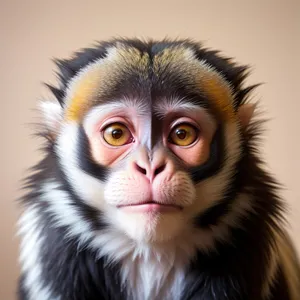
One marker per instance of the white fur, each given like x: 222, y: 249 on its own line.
x: 157, y: 270
x: 100, y: 111
x: 153, y: 271
x: 86, y: 186
x: 31, y: 241
x: 52, y: 115
x: 167, y: 105
x: 65, y: 213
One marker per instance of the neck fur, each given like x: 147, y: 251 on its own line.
x: 149, y: 270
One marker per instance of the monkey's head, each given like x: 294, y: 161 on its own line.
x: 148, y: 136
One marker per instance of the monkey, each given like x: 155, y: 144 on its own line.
x: 152, y: 185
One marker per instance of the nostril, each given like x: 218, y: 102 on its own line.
x: 159, y: 170
x: 140, y: 169
x: 152, y: 173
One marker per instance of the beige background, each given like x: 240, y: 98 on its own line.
x: 265, y: 34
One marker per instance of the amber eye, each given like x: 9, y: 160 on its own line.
x: 183, y: 135
x: 117, y: 134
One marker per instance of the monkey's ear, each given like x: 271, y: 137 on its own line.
x: 245, y: 113
x: 52, y: 113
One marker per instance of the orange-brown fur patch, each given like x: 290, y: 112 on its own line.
x: 219, y: 94
x: 202, y: 77
x: 102, y: 75
x: 84, y: 91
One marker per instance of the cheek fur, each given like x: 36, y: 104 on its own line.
x: 179, y: 189
x: 86, y: 186
x: 195, y: 155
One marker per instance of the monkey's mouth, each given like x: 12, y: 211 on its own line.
x: 150, y: 207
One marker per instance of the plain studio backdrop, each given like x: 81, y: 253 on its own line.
x: 264, y: 34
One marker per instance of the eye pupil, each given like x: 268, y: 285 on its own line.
x: 181, y: 134
x: 117, y: 133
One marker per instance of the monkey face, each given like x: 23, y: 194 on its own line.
x: 148, y: 190
x: 148, y: 138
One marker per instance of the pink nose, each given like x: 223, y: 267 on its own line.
x: 150, y: 171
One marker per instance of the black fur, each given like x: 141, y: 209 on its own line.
x: 227, y: 272
x: 76, y: 273
x: 49, y: 169
x: 215, y: 160
x: 87, y: 164
x: 234, y: 271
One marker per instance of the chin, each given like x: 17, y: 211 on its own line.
x: 150, y: 226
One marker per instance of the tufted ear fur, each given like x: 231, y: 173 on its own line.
x: 52, y: 113
x: 246, y: 113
